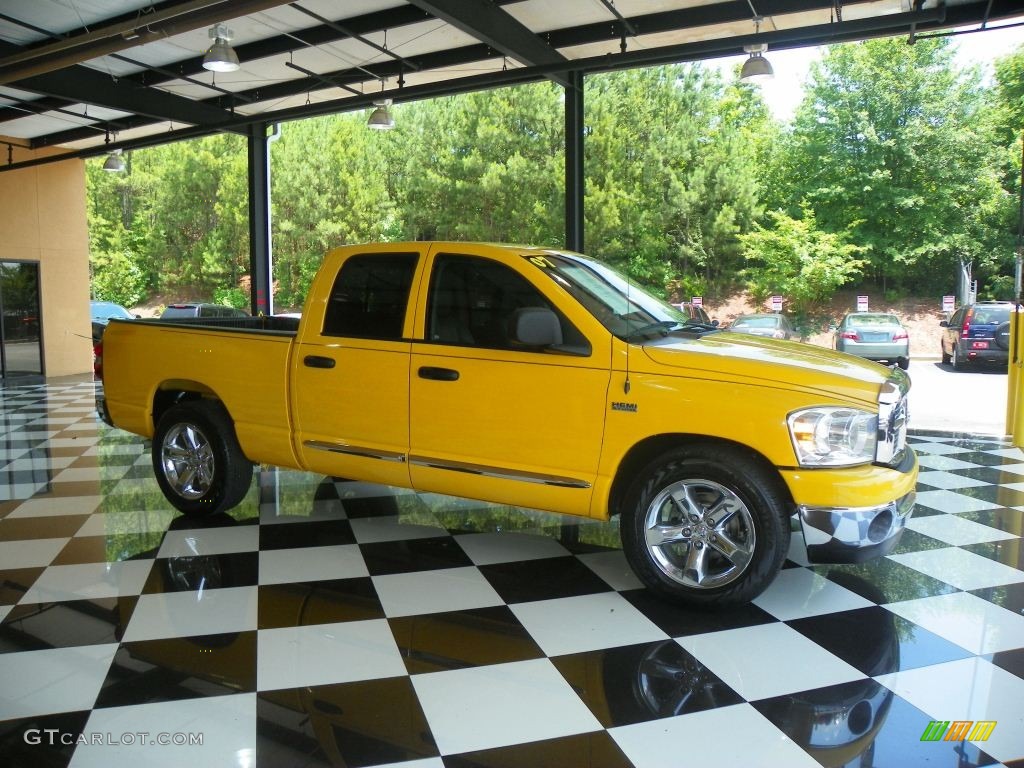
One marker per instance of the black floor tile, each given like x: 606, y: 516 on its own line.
x: 50, y: 527
x: 43, y: 741
x: 884, y: 580
x: 298, y: 604
x: 544, y: 579
x: 410, y: 555
x: 64, y: 624
x: 176, y: 668
x: 14, y: 583
x: 200, y: 572
x: 315, y: 533
x: 346, y: 724
x: 876, y: 641
x: 436, y: 642
x: 679, y: 621
x: 586, y: 750
x: 637, y: 683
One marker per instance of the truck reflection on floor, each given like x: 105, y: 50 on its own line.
x: 381, y: 720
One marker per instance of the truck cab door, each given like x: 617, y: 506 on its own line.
x: 350, y: 368
x: 492, y: 418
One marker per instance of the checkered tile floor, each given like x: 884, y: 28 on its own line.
x: 330, y: 623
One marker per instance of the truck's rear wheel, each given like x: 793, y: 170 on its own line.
x: 197, y: 460
x: 705, y: 525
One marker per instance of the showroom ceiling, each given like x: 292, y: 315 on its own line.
x: 78, y: 73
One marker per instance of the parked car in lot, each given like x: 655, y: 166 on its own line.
x: 977, y: 334
x: 695, y: 312
x: 201, y: 310
x: 100, y: 313
x: 769, y: 325
x: 877, y: 336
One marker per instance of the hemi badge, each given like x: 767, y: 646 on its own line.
x: 628, y: 407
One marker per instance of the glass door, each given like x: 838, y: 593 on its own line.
x: 21, y: 351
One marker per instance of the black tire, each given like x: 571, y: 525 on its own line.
x: 958, y: 363
x: 197, y: 460
x: 945, y: 357
x: 903, y: 362
x: 1002, y: 336
x: 692, y: 568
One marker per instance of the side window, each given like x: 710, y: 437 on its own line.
x: 473, y: 302
x: 370, y: 296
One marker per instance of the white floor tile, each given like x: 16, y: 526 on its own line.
x: 956, y: 530
x: 799, y: 592
x: 370, y: 530
x: 968, y: 689
x: 945, y: 463
x: 52, y: 680
x: 768, y: 660
x: 613, y: 568
x: 951, y: 501
x: 183, y: 614
x: 227, y: 725
x: 448, y: 589
x: 29, y: 554
x: 967, y: 620
x: 490, y: 548
x: 188, y: 542
x: 585, y: 623
x: 88, y: 580
x: 500, y: 704
x: 948, y: 481
x: 292, y: 657
x: 717, y: 738
x: 71, y: 505
x: 939, y: 448
x: 283, y: 566
x: 962, y: 569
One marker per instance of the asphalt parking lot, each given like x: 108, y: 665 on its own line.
x: 946, y: 400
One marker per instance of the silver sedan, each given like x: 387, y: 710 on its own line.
x: 876, y: 336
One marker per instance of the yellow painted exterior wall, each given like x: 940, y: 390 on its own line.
x: 42, y: 219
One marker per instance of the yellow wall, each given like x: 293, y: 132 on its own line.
x: 42, y: 218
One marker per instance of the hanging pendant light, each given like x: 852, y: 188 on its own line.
x: 114, y: 162
x: 380, y: 118
x: 220, y: 57
x: 757, y: 68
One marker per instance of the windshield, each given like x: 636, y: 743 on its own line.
x: 107, y: 311
x: 756, y: 322
x: 626, y: 310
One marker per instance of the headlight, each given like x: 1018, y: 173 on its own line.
x: 833, y: 437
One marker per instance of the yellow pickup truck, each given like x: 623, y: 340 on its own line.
x: 537, y: 378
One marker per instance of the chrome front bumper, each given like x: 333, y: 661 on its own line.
x: 853, y: 535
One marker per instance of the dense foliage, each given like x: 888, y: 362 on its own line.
x: 896, y: 167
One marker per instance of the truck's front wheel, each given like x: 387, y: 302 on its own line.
x: 705, y: 525
x: 197, y: 460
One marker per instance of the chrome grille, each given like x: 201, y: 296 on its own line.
x: 892, y: 419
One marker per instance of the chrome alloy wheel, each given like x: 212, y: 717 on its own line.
x: 700, y: 533
x: 187, y: 459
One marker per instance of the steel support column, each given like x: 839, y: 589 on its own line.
x: 574, y: 130
x: 260, y: 270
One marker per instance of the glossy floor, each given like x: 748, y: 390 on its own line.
x: 327, y: 623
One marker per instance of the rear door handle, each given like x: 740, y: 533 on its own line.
x: 438, y: 374
x: 316, y: 361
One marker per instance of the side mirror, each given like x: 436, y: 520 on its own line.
x: 944, y: 323
x: 536, y: 327
x: 714, y: 323
x: 833, y: 328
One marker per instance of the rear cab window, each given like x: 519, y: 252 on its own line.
x: 370, y: 296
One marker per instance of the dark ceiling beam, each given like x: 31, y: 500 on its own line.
x: 139, y: 29
x: 89, y: 86
x: 827, y: 33
x: 881, y: 26
x: 489, y: 24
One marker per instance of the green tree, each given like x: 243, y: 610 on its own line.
x: 799, y: 261
x: 892, y: 143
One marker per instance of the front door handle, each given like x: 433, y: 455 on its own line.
x: 316, y: 361
x: 438, y: 374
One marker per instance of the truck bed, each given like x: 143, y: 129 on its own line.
x: 258, y: 324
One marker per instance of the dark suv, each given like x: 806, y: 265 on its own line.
x: 978, y: 334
